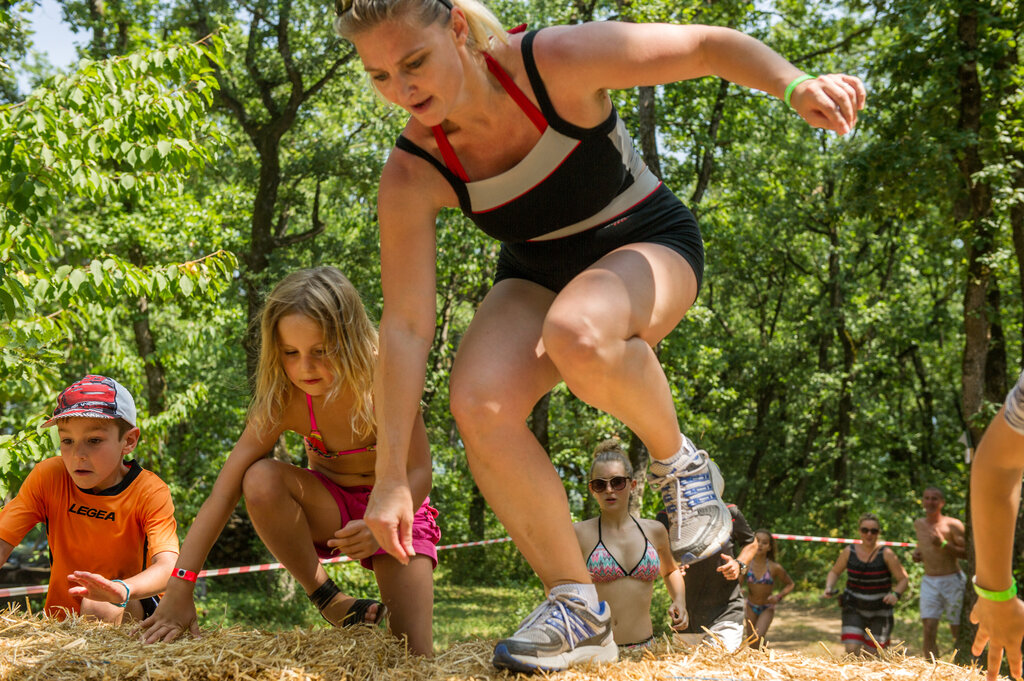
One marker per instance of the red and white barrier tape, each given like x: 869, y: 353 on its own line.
x: 242, y: 569
x: 218, y: 572
x: 838, y: 540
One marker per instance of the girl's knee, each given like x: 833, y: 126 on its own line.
x: 262, y: 483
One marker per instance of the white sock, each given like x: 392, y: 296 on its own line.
x: 687, y: 454
x: 586, y: 591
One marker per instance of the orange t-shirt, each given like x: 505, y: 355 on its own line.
x: 114, y: 533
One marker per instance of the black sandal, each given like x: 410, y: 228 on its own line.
x: 325, y: 593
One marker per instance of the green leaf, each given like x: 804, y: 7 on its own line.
x: 76, y: 279
x: 8, y: 303
x: 186, y: 284
x: 164, y: 147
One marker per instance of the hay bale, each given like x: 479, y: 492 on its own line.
x: 33, y: 648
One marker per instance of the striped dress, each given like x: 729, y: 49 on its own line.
x: 867, y: 583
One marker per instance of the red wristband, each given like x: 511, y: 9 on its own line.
x: 187, y: 575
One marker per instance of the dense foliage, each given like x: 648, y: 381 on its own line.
x: 861, y: 314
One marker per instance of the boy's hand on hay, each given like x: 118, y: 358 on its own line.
x: 355, y: 540
x: 389, y: 517
x: 175, y: 615
x: 1001, y: 627
x: 95, y: 587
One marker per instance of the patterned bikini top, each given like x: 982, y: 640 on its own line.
x: 315, y: 442
x: 603, y: 566
x: 766, y: 578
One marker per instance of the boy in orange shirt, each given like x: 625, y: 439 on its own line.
x: 109, y: 523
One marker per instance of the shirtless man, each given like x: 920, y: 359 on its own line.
x: 940, y: 546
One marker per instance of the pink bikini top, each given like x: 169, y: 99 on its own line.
x: 603, y: 566
x: 315, y: 441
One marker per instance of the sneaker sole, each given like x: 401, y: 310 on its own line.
x: 713, y: 549
x: 527, y: 664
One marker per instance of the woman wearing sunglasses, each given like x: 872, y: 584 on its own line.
x: 869, y: 596
x: 626, y: 555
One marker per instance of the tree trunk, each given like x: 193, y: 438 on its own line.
x: 976, y: 205
x: 995, y: 359
x: 1017, y: 229
x: 648, y: 129
x: 145, y: 344
x: 761, y: 439
x: 706, y: 164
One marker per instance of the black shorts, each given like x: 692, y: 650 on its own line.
x: 149, y: 605
x: 661, y: 219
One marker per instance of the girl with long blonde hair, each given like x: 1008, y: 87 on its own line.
x: 315, y: 377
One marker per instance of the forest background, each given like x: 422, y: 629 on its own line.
x: 861, y: 318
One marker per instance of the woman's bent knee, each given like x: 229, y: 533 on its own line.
x: 573, y: 344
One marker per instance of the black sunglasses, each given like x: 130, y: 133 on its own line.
x: 342, y: 6
x: 617, y: 483
x: 869, y: 530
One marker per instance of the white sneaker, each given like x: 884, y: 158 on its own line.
x: 699, y: 522
x: 561, y: 632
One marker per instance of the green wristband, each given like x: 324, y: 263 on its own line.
x: 943, y: 544
x: 792, y: 86
x: 127, y: 593
x: 995, y: 595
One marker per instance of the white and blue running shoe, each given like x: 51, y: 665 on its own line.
x: 699, y: 522
x: 561, y: 632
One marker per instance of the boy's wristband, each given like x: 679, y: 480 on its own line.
x: 995, y: 595
x: 792, y: 86
x: 127, y: 593
x: 943, y: 544
x: 187, y: 575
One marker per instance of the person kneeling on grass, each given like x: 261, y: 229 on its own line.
x: 109, y: 523
x: 642, y: 544
x: 315, y: 374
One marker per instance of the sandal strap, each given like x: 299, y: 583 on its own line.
x: 357, y: 612
x: 324, y: 594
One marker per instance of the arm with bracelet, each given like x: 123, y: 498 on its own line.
x: 995, y: 498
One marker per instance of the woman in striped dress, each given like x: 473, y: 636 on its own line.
x: 869, y: 597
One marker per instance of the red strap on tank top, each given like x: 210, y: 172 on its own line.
x: 451, y: 161
x: 517, y: 95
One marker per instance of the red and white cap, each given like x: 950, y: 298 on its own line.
x: 94, y: 397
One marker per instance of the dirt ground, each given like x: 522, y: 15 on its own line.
x: 813, y: 630
x: 806, y: 630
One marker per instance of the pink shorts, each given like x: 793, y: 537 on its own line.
x: 352, y: 505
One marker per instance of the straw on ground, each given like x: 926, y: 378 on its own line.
x: 33, y: 648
